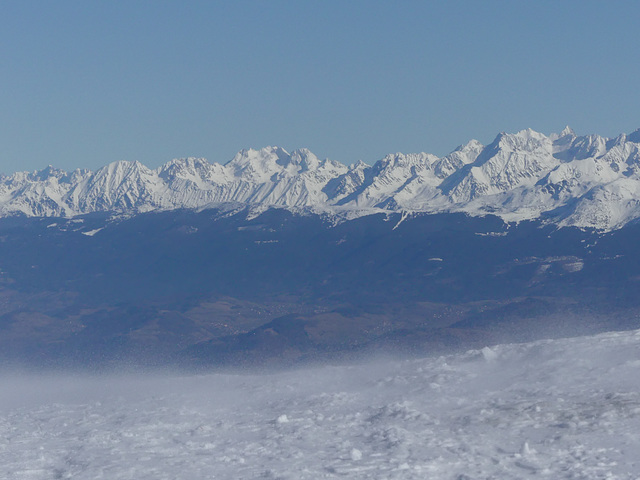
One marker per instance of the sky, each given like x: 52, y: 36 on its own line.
x: 86, y: 83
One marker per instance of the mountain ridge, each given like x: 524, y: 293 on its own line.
x: 585, y: 181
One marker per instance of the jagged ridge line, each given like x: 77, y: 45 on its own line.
x: 586, y: 181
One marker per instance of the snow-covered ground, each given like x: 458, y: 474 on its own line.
x: 552, y: 409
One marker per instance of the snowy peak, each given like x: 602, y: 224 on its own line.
x: 304, y: 160
x: 527, y: 140
x: 471, y: 145
x: 586, y: 181
x: 566, y: 133
x: 259, y: 165
x: 461, y: 156
x: 269, y: 163
x: 184, y: 168
x: 509, y: 161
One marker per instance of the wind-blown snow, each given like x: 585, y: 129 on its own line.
x: 551, y: 409
x: 584, y: 181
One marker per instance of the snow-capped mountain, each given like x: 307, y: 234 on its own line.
x: 584, y: 181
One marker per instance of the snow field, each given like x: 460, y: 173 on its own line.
x: 552, y: 409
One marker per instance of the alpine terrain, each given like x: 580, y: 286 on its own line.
x: 565, y: 179
x: 278, y: 257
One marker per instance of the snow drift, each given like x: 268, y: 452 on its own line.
x: 566, y: 408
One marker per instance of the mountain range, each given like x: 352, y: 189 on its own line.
x: 282, y: 258
x: 562, y: 179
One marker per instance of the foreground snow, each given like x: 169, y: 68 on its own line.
x: 551, y: 409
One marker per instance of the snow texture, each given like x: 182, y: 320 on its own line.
x: 554, y: 409
x: 569, y: 180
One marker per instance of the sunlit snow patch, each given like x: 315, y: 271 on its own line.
x: 91, y: 233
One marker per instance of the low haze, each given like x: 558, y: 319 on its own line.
x: 86, y: 84
x: 555, y: 409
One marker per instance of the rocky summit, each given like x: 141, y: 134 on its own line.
x: 563, y: 179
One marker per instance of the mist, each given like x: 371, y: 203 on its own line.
x: 549, y: 407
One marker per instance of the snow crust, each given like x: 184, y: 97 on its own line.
x: 555, y: 409
x: 584, y: 181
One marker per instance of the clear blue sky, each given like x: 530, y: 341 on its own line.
x: 85, y: 83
